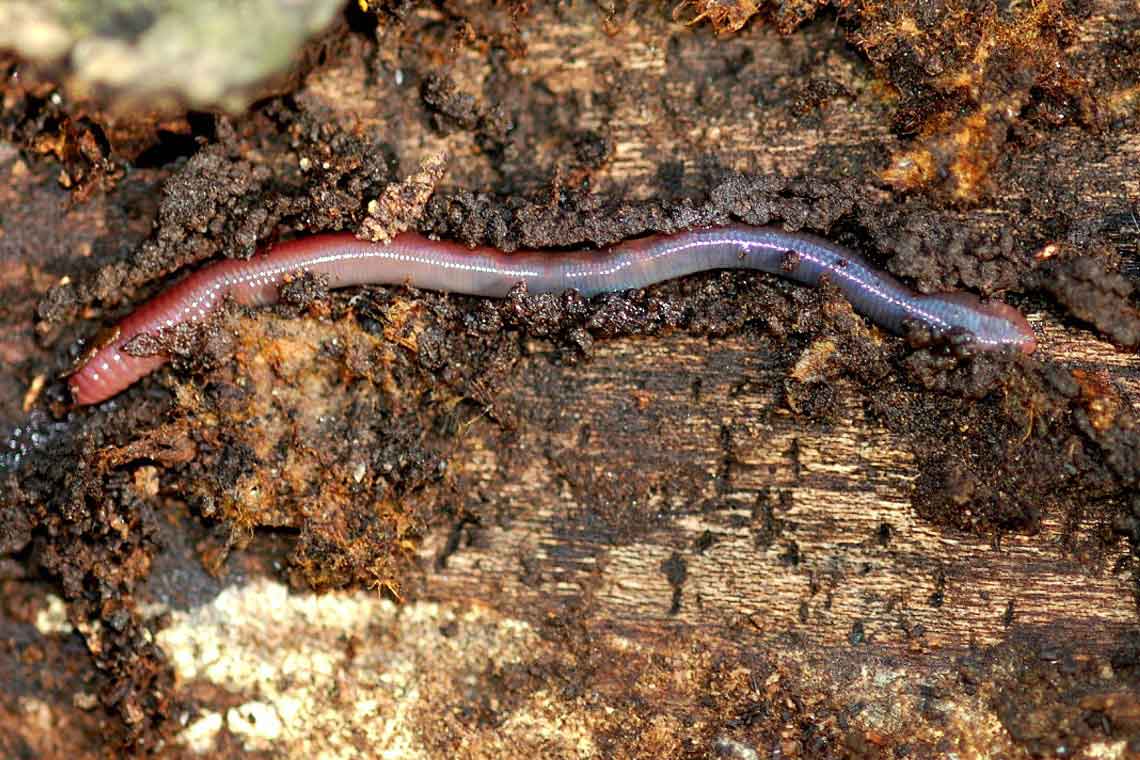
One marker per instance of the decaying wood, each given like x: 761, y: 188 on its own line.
x: 831, y: 489
x: 652, y: 553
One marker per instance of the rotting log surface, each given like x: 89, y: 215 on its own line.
x: 719, y: 516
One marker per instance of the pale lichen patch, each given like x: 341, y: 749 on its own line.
x: 335, y: 673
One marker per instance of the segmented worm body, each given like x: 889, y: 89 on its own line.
x: 416, y: 261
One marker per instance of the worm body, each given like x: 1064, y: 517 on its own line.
x: 414, y: 260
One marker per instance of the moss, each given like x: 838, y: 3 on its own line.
x: 200, y: 53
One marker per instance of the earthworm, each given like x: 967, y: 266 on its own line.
x: 414, y: 260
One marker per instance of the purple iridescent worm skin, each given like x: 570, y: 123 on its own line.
x: 414, y: 260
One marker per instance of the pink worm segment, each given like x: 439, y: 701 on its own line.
x: 414, y: 260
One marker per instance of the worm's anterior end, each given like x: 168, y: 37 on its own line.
x: 83, y: 391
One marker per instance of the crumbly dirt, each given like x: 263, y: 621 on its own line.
x: 362, y: 444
